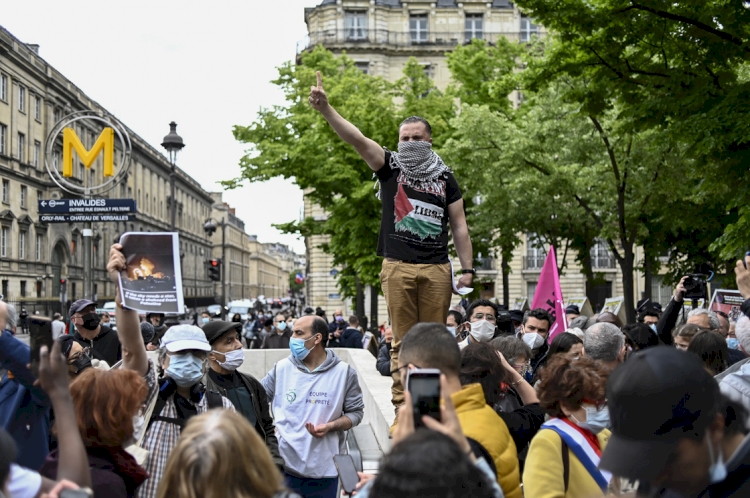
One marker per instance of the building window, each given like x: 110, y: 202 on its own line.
x: 4, y: 232
x: 73, y: 290
x: 92, y: 177
x: 81, y: 172
x: 535, y: 253
x: 601, y: 257
x: 37, y: 152
x: 363, y: 66
x: 528, y: 29
x: 660, y: 292
x: 57, y: 114
x: 23, y: 288
x: 38, y: 289
x: 21, y: 245
x: 356, y: 25
x: 530, y: 291
x: 6, y: 191
x: 21, y: 98
x: 38, y: 247
x: 73, y: 247
x: 418, y: 28
x: 3, y: 87
x: 21, y: 147
x: 55, y: 159
x: 24, y: 195
x: 429, y: 70
x: 37, y: 108
x: 474, y: 26
x: 3, y: 139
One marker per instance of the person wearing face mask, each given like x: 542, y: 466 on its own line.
x: 534, y: 331
x: 90, y: 333
x: 279, y: 337
x: 315, y: 398
x: 684, y: 442
x: 244, y: 391
x: 564, y: 455
x: 481, y: 324
x: 205, y: 318
x: 454, y: 321
x: 420, y: 198
x: 384, y: 354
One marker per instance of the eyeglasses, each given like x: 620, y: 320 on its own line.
x: 84, y: 351
x: 398, y: 370
x: 482, y: 316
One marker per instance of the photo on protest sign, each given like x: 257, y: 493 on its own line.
x: 152, y: 281
x: 728, y: 301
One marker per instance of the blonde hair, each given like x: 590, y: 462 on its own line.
x: 219, y: 455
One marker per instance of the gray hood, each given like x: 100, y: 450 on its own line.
x: 331, y: 361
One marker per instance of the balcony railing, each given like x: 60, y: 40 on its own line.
x: 485, y: 264
x: 534, y: 261
x: 602, y: 262
x: 356, y: 36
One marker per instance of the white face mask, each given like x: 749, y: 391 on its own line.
x: 232, y: 360
x: 482, y: 331
x: 533, y: 340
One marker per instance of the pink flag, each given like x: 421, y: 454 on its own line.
x: 548, y: 295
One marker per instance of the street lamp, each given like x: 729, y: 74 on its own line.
x: 210, y: 228
x: 173, y: 143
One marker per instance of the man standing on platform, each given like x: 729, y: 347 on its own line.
x: 420, y: 197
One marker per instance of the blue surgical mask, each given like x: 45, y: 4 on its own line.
x: 205, y: 319
x: 596, y: 419
x: 281, y: 326
x: 733, y: 343
x: 452, y: 330
x: 298, y: 348
x: 185, y: 369
x: 652, y: 326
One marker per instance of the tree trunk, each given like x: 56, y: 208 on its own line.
x: 505, y: 266
x: 359, y: 302
x: 647, y: 274
x: 374, y: 309
x: 628, y: 283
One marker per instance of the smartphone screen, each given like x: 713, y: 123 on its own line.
x: 424, y: 388
x: 347, y: 472
x: 40, y: 332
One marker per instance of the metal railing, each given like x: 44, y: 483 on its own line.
x: 534, y: 261
x: 361, y: 36
x: 485, y: 264
x: 602, y: 262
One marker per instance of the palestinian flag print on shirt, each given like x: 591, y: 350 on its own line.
x: 417, y: 217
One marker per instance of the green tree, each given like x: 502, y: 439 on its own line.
x: 676, y: 67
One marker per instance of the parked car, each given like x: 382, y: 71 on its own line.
x: 276, y: 303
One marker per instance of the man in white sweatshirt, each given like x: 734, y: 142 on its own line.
x: 315, y: 397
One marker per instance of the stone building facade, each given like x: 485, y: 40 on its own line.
x: 35, y: 257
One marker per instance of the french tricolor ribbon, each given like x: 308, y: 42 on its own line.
x: 582, y: 449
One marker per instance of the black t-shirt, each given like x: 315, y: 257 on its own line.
x: 414, y: 223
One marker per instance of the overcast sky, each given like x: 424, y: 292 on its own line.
x: 205, y: 65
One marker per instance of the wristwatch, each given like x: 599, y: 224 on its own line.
x: 472, y: 271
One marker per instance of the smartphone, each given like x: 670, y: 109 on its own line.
x: 40, y: 332
x: 743, y: 259
x: 424, y: 386
x: 347, y: 472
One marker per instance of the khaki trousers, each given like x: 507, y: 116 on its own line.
x: 414, y: 293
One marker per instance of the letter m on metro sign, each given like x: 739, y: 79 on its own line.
x: 105, y: 142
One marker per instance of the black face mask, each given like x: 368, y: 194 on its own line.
x: 90, y: 321
x: 81, y: 363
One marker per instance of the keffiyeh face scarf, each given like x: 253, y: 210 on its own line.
x: 419, y: 164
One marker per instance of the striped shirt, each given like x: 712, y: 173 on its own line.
x: 162, y: 436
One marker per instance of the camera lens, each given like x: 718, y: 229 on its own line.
x: 689, y: 284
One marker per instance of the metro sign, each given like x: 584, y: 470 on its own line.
x: 105, y: 142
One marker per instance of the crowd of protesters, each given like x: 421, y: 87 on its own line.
x: 659, y: 407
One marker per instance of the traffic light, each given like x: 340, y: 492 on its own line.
x: 214, y: 269
x: 63, y: 285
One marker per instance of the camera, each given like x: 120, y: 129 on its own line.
x: 695, y: 286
